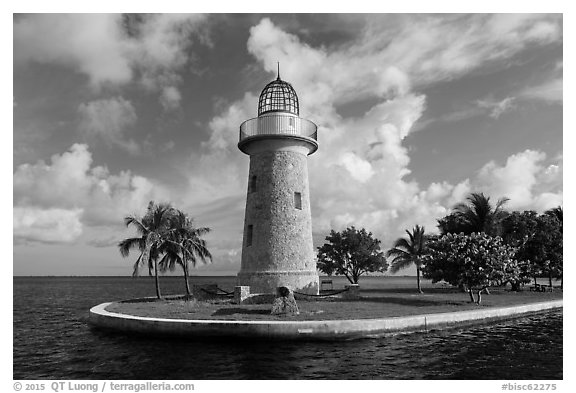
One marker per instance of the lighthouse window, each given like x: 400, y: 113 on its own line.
x: 252, y: 185
x: 291, y: 121
x: 298, y: 200
x: 249, y: 236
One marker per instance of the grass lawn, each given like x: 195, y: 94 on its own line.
x: 377, y: 301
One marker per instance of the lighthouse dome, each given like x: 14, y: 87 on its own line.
x: 278, y: 96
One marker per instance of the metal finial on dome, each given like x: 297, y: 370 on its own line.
x: 278, y: 78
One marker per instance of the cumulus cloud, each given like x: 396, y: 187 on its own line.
x: 47, y: 225
x: 113, y: 49
x: 70, y: 183
x: 224, y: 126
x: 358, y: 168
x: 515, y: 179
x: 109, y: 119
x: 93, y: 44
x: 159, y: 49
x: 365, y: 157
x: 547, y: 200
x: 519, y: 178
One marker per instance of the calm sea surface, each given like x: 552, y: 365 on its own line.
x: 53, y: 341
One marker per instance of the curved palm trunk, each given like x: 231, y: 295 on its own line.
x: 158, y: 294
x: 185, y: 268
x: 146, y: 255
x: 418, y: 279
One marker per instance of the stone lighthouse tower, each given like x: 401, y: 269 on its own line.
x: 277, y: 248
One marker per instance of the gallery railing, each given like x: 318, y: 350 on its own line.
x: 278, y: 125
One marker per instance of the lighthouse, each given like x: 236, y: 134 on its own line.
x: 277, y: 243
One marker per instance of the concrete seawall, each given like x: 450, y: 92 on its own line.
x: 323, y: 330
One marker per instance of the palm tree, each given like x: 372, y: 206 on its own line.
x: 556, y: 212
x: 183, y: 244
x: 409, y: 251
x: 479, y: 215
x: 135, y: 242
x: 151, y: 229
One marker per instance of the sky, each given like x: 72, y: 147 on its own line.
x: 415, y: 112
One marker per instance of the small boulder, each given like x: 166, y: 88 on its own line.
x: 284, y: 304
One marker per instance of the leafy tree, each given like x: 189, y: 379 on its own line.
x: 409, y: 251
x: 558, y: 214
x: 518, y: 231
x: 546, y: 246
x: 151, y: 228
x: 476, y: 261
x: 452, y: 223
x: 538, y: 239
x: 477, y: 215
x: 183, y: 244
x: 351, y: 253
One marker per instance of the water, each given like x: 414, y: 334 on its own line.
x: 53, y: 341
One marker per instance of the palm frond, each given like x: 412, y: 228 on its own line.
x: 137, y: 223
x: 403, y: 244
x: 398, y: 253
x: 201, y: 231
x: 556, y: 212
x: 400, y: 264
x: 478, y: 214
x: 136, y: 267
x: 126, y: 245
x: 196, y: 248
x: 500, y: 203
x: 169, y: 262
